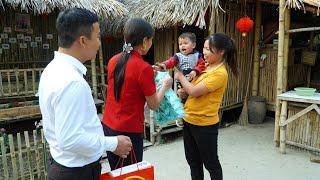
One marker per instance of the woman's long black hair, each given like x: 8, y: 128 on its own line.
x: 135, y: 30
x: 221, y: 41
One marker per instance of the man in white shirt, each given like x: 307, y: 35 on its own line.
x: 70, y: 122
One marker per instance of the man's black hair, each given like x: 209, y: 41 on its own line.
x: 73, y: 23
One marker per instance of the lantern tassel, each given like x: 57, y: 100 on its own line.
x: 243, y: 43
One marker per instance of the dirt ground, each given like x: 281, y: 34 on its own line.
x: 245, y: 153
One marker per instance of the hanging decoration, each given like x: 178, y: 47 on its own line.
x: 244, y: 24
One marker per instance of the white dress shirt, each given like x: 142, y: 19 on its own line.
x: 70, y: 121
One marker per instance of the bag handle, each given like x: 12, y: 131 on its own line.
x: 132, y: 156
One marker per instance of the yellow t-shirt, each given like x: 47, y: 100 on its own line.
x: 203, y: 110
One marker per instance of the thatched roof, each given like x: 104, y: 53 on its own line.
x: 312, y: 6
x: 106, y: 8
x: 299, y: 4
x: 166, y: 13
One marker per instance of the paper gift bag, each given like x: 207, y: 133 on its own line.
x: 138, y: 171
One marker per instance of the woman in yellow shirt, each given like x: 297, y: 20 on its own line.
x: 205, y: 93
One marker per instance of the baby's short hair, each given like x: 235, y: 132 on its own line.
x: 189, y: 35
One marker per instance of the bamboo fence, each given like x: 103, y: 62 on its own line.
x: 24, y: 156
x: 304, y: 131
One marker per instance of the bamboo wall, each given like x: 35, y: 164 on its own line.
x: 20, y: 53
x: 163, y: 44
x: 225, y: 22
x: 305, y: 130
x: 297, y: 74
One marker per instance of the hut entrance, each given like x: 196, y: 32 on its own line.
x: 303, y: 54
x: 201, y: 34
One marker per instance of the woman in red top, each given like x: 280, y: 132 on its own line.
x: 131, y: 84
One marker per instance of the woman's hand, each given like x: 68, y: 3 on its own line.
x: 167, y: 83
x: 182, y: 93
x: 178, y: 75
x: 159, y: 67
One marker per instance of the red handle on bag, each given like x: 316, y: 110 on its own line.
x: 133, y: 157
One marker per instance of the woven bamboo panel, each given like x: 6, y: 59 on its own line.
x: 163, y: 44
x: 268, y: 75
x: 305, y: 130
x: 297, y: 75
x: 315, y: 84
x: 309, y: 57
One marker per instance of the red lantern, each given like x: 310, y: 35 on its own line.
x: 244, y: 24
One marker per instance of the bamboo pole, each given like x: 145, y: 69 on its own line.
x: 103, y: 80
x: 4, y: 159
x: 309, y: 66
x: 44, y: 153
x: 13, y: 158
x: 283, y: 117
x: 280, y: 67
x: 301, y: 30
x: 286, y: 50
x: 256, y: 56
x: 28, y: 148
x: 175, y: 49
x: 20, y: 156
x: 37, y: 154
x: 94, y: 78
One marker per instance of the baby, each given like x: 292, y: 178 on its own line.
x: 188, y: 60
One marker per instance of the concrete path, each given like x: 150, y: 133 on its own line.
x: 246, y: 153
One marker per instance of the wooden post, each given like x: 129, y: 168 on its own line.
x: 94, y: 78
x: 280, y: 67
x: 256, y: 56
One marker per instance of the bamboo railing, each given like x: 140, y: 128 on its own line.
x: 18, y: 82
x: 23, y: 157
